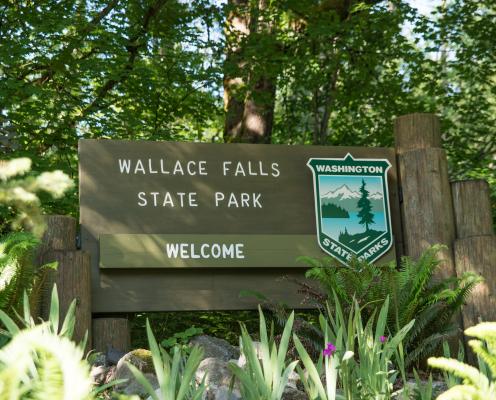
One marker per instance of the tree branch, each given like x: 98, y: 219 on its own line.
x: 132, y: 48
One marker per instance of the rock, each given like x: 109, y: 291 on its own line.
x: 221, y: 393
x: 215, y: 348
x: 217, y: 371
x: 113, y: 355
x: 142, y: 360
x: 293, y: 380
x: 291, y: 393
x: 218, y: 379
x: 134, y: 387
x: 98, y: 374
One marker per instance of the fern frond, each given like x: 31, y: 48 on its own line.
x: 487, y: 357
x: 427, y: 346
x: 469, y: 374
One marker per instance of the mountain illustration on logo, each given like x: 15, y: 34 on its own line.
x: 353, y: 215
x: 346, y: 198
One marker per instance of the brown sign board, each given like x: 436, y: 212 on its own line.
x: 185, y: 226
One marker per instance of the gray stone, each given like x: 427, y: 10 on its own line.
x: 134, y: 387
x: 142, y: 360
x: 216, y: 370
x: 221, y: 393
x: 291, y: 393
x: 215, y: 348
x: 113, y: 355
x: 293, y: 380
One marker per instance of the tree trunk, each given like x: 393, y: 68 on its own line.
x: 249, y: 112
x: 234, y: 76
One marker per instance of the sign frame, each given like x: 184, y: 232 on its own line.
x: 117, y: 290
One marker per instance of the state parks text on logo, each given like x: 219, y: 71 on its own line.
x: 352, y: 207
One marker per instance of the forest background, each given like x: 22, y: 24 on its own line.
x: 329, y: 72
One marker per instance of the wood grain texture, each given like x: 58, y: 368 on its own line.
x: 108, y: 206
x: 478, y: 254
x: 472, y: 207
x: 111, y: 333
x: 416, y: 131
x: 60, y: 233
x: 73, y: 280
x: 427, y: 206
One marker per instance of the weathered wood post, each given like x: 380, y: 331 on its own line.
x: 475, y: 247
x: 72, y: 276
x: 111, y: 333
x: 427, y: 209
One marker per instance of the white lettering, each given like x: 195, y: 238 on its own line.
x: 143, y: 201
x: 124, y: 166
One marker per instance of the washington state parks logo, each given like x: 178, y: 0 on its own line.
x: 352, y: 207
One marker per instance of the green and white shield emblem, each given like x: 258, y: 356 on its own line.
x: 352, y: 207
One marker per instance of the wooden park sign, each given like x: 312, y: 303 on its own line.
x: 173, y: 226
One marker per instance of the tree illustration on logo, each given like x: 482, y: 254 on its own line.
x: 365, y: 206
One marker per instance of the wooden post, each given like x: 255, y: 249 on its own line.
x: 427, y: 210
x: 73, y: 275
x: 472, y: 205
x: 111, y: 333
x: 475, y: 247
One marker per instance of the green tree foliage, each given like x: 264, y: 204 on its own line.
x: 105, y: 69
x: 304, y: 71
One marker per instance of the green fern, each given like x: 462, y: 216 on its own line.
x: 18, y: 270
x: 414, y: 293
x: 477, y: 384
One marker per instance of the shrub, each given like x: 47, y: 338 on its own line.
x: 176, y: 374
x: 265, y: 378
x: 413, y: 291
x: 359, y: 355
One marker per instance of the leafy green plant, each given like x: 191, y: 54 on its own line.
x: 477, y: 384
x: 362, y: 355
x: 314, y: 387
x: 221, y: 324
x: 450, y: 379
x: 265, y: 378
x: 181, y: 339
x: 413, y: 291
x: 41, y: 361
x: 423, y: 391
x: 52, y: 326
x: 37, y: 364
x: 176, y: 374
x: 19, y: 271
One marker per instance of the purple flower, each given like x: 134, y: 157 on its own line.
x: 330, y: 348
x: 383, y: 339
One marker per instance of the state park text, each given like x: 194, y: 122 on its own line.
x: 229, y: 169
